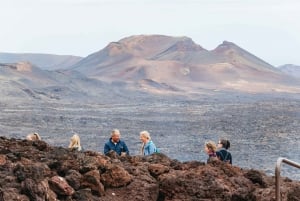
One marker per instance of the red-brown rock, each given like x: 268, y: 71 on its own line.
x: 115, y: 176
x: 91, y: 180
x: 37, y: 171
x: 60, y: 186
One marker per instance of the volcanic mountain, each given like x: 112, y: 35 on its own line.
x: 43, y: 61
x: 145, y: 64
x: 25, y: 81
x: 290, y: 69
x: 155, y: 62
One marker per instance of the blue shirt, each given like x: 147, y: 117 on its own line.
x: 117, y: 147
x: 149, y: 148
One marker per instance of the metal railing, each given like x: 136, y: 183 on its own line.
x: 277, y: 174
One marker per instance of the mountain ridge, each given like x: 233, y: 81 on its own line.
x: 290, y: 69
x: 159, y: 64
x: 44, y: 61
x: 180, y: 61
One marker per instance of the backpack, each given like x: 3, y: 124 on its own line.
x: 227, y: 157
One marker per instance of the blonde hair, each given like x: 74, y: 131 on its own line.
x: 33, y: 136
x: 75, y: 142
x: 211, y: 146
x: 146, y: 134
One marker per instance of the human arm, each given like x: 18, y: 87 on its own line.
x: 125, y: 148
x: 230, y: 158
x: 106, y: 148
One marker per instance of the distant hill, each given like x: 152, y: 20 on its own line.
x: 155, y: 62
x: 290, y: 69
x: 44, y: 61
x: 24, y: 82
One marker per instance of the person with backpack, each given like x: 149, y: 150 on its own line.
x: 223, y: 154
x: 148, y: 147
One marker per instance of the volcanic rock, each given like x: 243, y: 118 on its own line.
x: 36, y: 171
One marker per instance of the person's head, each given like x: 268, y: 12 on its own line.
x: 210, y: 147
x: 224, y: 144
x: 115, y: 135
x: 33, y: 136
x: 145, y: 136
x: 74, y: 141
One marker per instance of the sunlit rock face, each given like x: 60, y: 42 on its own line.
x: 182, y: 64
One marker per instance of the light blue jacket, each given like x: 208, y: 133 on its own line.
x: 149, y: 148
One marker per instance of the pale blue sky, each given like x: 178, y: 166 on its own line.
x: 269, y: 29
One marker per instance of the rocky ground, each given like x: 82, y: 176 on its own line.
x: 260, y: 128
x: 36, y: 171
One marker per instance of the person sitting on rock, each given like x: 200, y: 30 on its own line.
x: 115, y: 144
x: 148, y: 147
x: 75, y: 143
x: 210, y: 148
x: 223, y: 154
x: 33, y: 137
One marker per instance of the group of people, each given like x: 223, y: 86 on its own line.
x: 214, y: 152
x: 218, y: 152
x: 119, y: 146
x: 113, y: 144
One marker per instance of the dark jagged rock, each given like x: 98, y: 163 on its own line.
x: 37, y: 171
